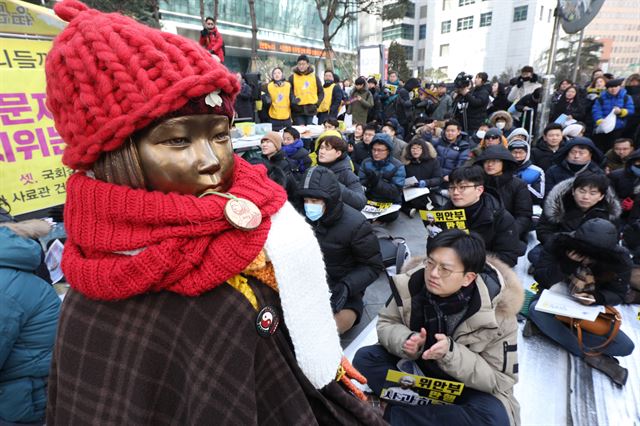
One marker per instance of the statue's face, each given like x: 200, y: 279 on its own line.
x: 188, y: 155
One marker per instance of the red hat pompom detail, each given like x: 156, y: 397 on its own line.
x: 69, y: 9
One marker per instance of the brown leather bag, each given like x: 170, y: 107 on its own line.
x: 606, y: 323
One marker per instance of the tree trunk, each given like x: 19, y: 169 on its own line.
x: 327, y: 52
x: 253, y: 65
x: 202, y: 11
x: 215, y: 11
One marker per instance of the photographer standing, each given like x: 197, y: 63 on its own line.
x: 211, y: 39
x: 470, y: 102
x: 523, y: 85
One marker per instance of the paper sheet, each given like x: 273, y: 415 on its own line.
x: 554, y: 302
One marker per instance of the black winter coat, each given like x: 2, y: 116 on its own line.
x: 559, y: 172
x: 515, y: 197
x: 404, y: 108
x: 576, y: 109
x: 244, y: 102
x: 541, y: 154
x: 477, y: 101
x: 350, y: 187
x: 427, y: 170
x: 361, y: 151
x: 496, y: 226
x: 623, y: 180
x: 611, y: 269
x: 349, y: 246
x: 562, y: 214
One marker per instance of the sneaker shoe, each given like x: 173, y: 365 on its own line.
x: 609, y: 366
x: 413, y: 212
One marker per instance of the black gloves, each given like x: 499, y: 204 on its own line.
x: 372, y: 178
x: 339, y: 296
x: 204, y: 32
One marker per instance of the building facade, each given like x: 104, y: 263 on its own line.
x: 617, y: 26
x: 451, y: 36
x: 286, y: 29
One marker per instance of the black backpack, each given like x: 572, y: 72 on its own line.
x: 394, y: 250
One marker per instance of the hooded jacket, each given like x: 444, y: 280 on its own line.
x: 513, y: 192
x: 624, y: 182
x: 561, y: 170
x: 529, y: 173
x: 349, y: 246
x: 503, y: 115
x: 576, y: 109
x: 562, y: 214
x: 384, y: 179
x: 495, y: 225
x: 483, y: 354
x: 605, y: 104
x: 426, y: 167
x: 598, y: 240
x: 351, y: 190
x: 451, y: 154
x: 305, y: 109
x: 29, y: 311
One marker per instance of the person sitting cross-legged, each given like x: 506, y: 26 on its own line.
x: 598, y: 271
x: 455, y: 317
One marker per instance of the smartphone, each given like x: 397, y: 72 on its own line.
x: 585, y: 298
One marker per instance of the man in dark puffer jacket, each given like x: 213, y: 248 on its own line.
x: 349, y: 246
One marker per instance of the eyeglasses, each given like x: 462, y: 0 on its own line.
x: 461, y: 188
x: 442, y: 271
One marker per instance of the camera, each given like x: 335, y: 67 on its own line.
x: 462, y: 80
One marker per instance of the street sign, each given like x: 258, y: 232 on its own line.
x: 576, y: 14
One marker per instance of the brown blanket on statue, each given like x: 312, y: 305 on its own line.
x: 166, y: 359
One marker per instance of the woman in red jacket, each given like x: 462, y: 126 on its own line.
x: 211, y: 39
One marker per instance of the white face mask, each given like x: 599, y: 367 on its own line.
x: 480, y: 134
x: 500, y: 124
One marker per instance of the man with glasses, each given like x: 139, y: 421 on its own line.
x: 382, y: 175
x: 485, y: 214
x: 455, y: 317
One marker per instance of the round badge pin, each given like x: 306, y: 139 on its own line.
x: 242, y: 214
x: 267, y: 321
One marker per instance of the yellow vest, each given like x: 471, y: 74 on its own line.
x: 280, y: 108
x: 305, y: 88
x: 326, y: 101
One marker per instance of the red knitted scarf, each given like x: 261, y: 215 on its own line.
x: 123, y: 242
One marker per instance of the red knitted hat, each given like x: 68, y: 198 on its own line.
x: 108, y: 76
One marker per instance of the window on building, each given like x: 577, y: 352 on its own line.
x: 394, y: 32
x: 422, y: 32
x: 550, y: 15
x: 444, y: 70
x: 541, y: 13
x: 444, y: 50
x: 485, y: 19
x: 445, y: 27
x: 465, y: 2
x: 411, y: 10
x: 420, y: 54
x: 465, y: 23
x: 408, y: 52
x: 423, y: 12
x: 446, y: 4
x: 520, y: 13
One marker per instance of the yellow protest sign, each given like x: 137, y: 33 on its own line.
x: 412, y: 389
x: 32, y: 176
x: 18, y: 17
